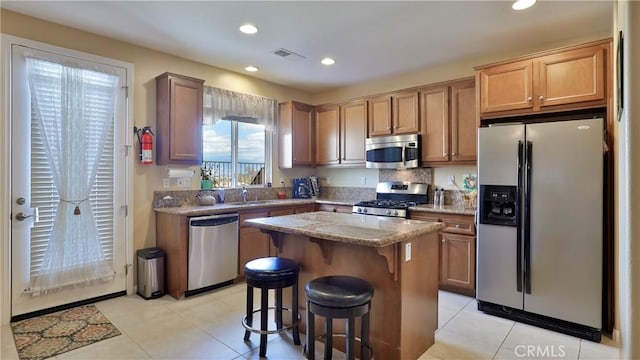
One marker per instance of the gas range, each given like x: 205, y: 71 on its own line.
x: 393, y: 198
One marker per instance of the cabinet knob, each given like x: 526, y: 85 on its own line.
x: 541, y: 98
x: 443, y: 241
x: 457, y: 226
x: 453, y: 154
x: 529, y: 99
x: 389, y: 128
x: 444, y: 154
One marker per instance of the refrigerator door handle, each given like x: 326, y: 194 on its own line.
x: 518, y: 222
x: 527, y: 219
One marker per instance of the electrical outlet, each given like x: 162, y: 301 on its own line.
x: 281, y: 181
x: 363, y: 180
x: 407, y: 252
x: 451, y: 179
x: 165, y: 183
x: 184, y: 182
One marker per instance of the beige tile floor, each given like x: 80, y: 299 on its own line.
x: 208, y: 327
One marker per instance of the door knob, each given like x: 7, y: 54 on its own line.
x: 541, y: 98
x: 22, y: 216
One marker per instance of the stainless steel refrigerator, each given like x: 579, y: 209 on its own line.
x: 540, y: 224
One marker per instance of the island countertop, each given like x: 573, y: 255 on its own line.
x: 365, y: 230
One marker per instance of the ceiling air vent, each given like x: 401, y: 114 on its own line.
x: 288, y: 54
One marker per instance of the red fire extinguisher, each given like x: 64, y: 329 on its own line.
x: 145, y: 139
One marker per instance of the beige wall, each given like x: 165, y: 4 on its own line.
x: 147, y: 65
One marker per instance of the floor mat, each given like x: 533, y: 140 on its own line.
x: 49, y: 335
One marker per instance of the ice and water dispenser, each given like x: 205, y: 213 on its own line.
x: 498, y: 205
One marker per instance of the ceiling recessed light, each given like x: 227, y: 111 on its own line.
x: 522, y: 4
x: 251, y: 68
x: 328, y: 61
x: 248, y: 29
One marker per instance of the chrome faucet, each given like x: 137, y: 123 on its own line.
x: 244, y: 194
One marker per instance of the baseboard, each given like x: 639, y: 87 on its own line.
x: 615, y: 336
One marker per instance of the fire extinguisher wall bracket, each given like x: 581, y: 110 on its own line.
x: 145, y: 140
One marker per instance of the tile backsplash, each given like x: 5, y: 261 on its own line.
x: 421, y: 175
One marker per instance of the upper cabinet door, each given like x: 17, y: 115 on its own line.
x: 353, y: 117
x: 296, y: 142
x: 506, y: 87
x: 572, y: 76
x: 405, y: 117
x: 434, y: 110
x: 380, y: 116
x: 463, y: 121
x: 179, y: 119
x: 328, y: 135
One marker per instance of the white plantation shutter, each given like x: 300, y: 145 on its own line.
x: 43, y: 190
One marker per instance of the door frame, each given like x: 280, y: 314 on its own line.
x: 7, y: 41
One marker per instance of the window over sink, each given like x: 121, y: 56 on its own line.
x: 236, y: 137
x: 237, y: 152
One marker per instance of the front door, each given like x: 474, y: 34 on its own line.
x: 34, y: 192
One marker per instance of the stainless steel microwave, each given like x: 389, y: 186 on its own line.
x: 393, y: 152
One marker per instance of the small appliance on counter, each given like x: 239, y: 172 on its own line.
x: 302, y: 188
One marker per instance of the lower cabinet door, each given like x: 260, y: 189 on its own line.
x: 457, y: 263
x: 253, y: 244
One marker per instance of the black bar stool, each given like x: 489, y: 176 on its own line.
x: 271, y: 273
x: 339, y: 297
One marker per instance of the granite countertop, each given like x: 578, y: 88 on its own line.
x: 366, y: 230
x: 197, y: 210
x: 446, y: 209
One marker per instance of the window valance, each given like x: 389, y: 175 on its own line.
x: 225, y: 104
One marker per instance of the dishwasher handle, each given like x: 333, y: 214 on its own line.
x: 215, y: 220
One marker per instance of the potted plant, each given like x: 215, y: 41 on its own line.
x: 206, y: 177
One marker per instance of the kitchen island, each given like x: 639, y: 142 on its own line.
x: 399, y: 257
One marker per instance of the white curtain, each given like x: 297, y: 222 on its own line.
x: 73, y: 108
x: 225, y: 104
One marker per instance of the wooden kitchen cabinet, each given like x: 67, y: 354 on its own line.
x: 353, y: 132
x: 296, y: 135
x: 328, y: 135
x: 252, y: 243
x: 305, y: 208
x: 457, y: 250
x: 394, y: 114
x: 448, y: 130
x: 341, y: 131
x: 557, y: 80
x: 178, y: 120
x: 172, y: 236
x: 345, y: 209
x: 458, y: 263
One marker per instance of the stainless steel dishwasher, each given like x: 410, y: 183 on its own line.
x: 213, y: 252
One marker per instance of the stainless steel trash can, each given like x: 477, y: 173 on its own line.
x: 151, y: 272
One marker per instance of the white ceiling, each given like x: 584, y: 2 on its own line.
x: 368, y: 39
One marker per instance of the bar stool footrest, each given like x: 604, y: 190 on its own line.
x: 274, y: 331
